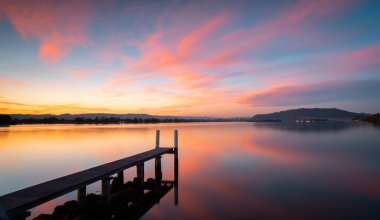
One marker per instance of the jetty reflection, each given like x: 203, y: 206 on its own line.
x: 118, y: 200
x: 127, y: 201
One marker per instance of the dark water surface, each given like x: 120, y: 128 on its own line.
x: 226, y: 170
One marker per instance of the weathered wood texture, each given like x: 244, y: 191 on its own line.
x: 33, y: 196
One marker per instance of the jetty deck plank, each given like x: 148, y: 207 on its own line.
x: 28, y: 198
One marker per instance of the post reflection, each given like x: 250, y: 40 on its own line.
x: 176, y: 172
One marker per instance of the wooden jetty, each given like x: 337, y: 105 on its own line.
x: 20, y: 201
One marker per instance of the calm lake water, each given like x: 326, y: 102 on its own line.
x: 226, y: 170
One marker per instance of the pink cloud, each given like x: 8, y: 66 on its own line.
x: 289, y: 23
x: 314, y: 10
x: 363, y: 54
x: 81, y: 73
x: 175, y: 57
x: 151, y: 41
x: 189, y: 56
x: 351, y: 62
x: 60, y: 27
x: 205, y: 50
x: 191, y: 42
x: 360, y: 60
x: 314, y: 93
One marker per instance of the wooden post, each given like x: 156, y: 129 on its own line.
x: 176, y: 181
x: 158, y: 174
x: 175, y: 143
x: 81, y: 194
x: 176, y: 168
x: 157, y: 138
x: 120, y: 176
x: 106, y: 189
x: 140, y: 173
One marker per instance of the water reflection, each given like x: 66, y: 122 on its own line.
x: 228, y: 170
x: 323, y: 126
x: 236, y: 171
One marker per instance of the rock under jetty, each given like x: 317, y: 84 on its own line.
x: 129, y: 200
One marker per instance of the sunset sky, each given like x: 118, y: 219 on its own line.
x: 194, y: 58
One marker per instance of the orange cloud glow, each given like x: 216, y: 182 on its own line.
x: 15, y: 83
x: 51, y: 54
x: 24, y: 108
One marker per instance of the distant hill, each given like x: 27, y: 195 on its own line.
x: 309, y: 114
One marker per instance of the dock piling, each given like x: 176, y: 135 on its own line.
x: 176, y: 143
x: 158, y: 174
x: 120, y: 176
x: 140, y: 173
x: 176, y: 167
x: 81, y: 194
x: 106, y: 188
x: 157, y: 138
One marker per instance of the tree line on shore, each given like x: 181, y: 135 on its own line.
x: 5, y: 119
x: 8, y: 120
x: 375, y: 119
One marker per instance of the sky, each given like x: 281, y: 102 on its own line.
x: 191, y: 58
